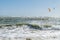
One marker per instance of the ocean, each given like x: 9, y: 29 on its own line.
x: 29, y: 28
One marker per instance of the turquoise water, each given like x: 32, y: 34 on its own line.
x: 14, y: 20
x: 24, y: 31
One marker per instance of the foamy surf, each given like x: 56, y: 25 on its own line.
x: 21, y: 33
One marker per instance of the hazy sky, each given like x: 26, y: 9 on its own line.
x: 29, y: 7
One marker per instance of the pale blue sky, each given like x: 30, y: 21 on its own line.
x: 29, y: 7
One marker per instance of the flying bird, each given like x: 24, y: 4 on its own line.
x: 49, y: 9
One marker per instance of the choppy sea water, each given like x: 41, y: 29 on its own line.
x: 21, y: 33
x: 24, y: 32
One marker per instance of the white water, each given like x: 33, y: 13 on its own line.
x: 25, y: 32
x: 21, y: 33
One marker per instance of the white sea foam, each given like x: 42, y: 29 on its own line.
x: 26, y: 32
